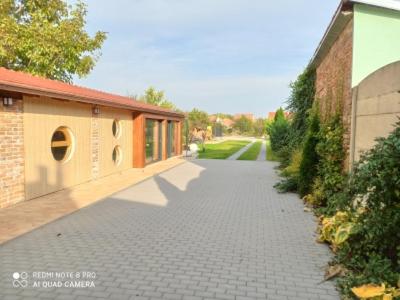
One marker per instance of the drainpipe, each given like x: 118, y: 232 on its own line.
x: 353, y: 127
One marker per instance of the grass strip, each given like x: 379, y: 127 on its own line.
x: 222, y: 150
x: 251, y: 153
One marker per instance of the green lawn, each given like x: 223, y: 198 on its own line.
x: 271, y: 156
x: 252, y: 152
x: 222, y: 150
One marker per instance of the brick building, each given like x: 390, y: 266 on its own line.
x: 362, y: 39
x: 54, y: 135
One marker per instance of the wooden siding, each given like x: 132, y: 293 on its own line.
x: 42, y: 116
x: 107, y: 141
x: 139, y: 140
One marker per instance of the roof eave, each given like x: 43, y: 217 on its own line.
x: 388, y: 4
x: 65, y: 96
x: 342, y: 17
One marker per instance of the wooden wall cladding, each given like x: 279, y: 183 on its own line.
x: 139, y: 140
x: 42, y: 116
x: 107, y: 140
x: 164, y: 140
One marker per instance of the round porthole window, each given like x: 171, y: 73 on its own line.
x: 62, y: 144
x: 117, y: 155
x: 116, y: 128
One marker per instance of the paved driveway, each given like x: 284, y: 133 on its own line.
x: 205, y: 229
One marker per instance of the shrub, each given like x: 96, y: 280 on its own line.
x: 310, y: 157
x: 376, y: 270
x: 371, y: 250
x: 291, y: 174
x: 330, y: 167
x: 316, y: 197
x: 337, y: 229
x: 374, y: 190
x: 278, y: 131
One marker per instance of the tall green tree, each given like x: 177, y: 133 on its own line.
x: 279, y: 115
x: 154, y: 97
x: 244, y: 125
x: 198, y: 119
x: 47, y: 38
x: 259, y: 127
x: 300, y: 102
x: 278, y: 131
x: 308, y: 169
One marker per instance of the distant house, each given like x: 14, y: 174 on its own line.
x: 227, y: 123
x: 357, y: 67
x: 212, y: 118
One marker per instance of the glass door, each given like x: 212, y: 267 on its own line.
x: 153, y: 140
x: 171, y: 138
x: 160, y: 140
x: 149, y: 140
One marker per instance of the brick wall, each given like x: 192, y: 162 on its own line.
x: 333, y: 82
x: 11, y: 154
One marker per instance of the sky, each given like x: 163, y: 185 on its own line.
x: 230, y: 56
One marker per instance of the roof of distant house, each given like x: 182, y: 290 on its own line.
x: 227, y: 122
x: 271, y: 115
x: 21, y: 82
x: 212, y: 118
x: 247, y: 115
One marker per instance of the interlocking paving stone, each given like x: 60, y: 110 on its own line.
x: 215, y: 230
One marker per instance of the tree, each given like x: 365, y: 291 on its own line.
x: 225, y: 116
x: 47, y: 38
x: 278, y: 131
x: 198, y: 119
x: 309, y: 162
x: 154, y: 97
x: 243, y: 125
x: 300, y: 102
x: 259, y: 127
x: 279, y: 115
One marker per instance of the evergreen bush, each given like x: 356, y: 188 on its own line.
x: 330, y: 167
x: 278, y: 131
x: 310, y: 157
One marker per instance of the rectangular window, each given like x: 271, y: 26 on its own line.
x: 153, y: 148
x: 171, y: 138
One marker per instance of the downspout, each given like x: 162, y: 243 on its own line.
x: 353, y: 127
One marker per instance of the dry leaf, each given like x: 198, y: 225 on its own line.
x: 368, y: 291
x: 387, y: 297
x: 333, y: 271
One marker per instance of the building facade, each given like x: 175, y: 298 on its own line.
x: 361, y: 40
x: 54, y: 135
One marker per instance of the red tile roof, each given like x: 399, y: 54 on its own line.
x: 228, y: 122
x: 249, y: 116
x: 25, y: 83
x: 212, y: 118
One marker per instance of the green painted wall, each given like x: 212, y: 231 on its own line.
x: 376, y: 40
